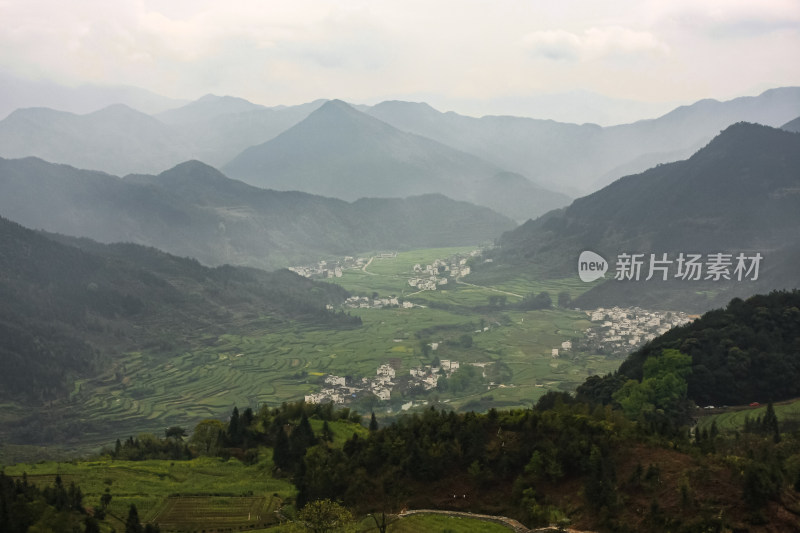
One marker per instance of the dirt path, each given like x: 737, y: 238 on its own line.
x: 516, y: 526
x: 458, y: 280
x: 364, y: 268
x: 510, y: 522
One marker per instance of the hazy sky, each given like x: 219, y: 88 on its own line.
x: 466, y: 55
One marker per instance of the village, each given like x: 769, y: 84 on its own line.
x: 340, y: 390
x: 425, y: 278
x: 436, y: 274
x: 329, y: 269
x: 615, y: 332
x: 622, y: 330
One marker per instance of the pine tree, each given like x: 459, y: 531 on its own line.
x: 234, y: 428
x: 281, y: 453
x: 373, y: 423
x: 132, y: 524
x: 770, y: 423
x: 327, y: 434
x: 90, y: 525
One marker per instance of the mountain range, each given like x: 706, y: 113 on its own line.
x: 393, y: 148
x: 193, y: 210
x: 738, y: 194
x: 17, y: 93
x: 578, y: 159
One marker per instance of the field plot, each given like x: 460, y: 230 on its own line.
x: 215, y: 513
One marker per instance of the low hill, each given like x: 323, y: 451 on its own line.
x: 69, y: 307
x: 792, y: 125
x: 193, y: 210
x: 736, y: 195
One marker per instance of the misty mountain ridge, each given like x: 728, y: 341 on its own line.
x: 116, y: 139
x: 737, y: 194
x: 553, y: 156
x: 207, y: 107
x: 341, y: 152
x: 193, y: 210
x: 19, y: 93
x: 575, y: 158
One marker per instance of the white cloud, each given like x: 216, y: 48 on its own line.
x: 276, y: 52
x: 593, y: 43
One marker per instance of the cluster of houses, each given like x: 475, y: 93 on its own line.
x: 622, y: 330
x: 329, y: 269
x: 340, y: 390
x: 436, y: 274
x: 428, y: 375
x: 365, y: 302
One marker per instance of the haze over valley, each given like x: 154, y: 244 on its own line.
x: 337, y: 266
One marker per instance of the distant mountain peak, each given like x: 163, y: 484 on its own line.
x: 192, y: 165
x: 336, y: 105
x: 117, y: 110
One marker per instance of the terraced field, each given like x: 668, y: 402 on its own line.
x: 151, y: 391
x: 203, y: 494
x: 190, y: 513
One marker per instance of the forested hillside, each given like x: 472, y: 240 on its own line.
x: 68, y: 308
x: 193, y: 210
x: 736, y: 195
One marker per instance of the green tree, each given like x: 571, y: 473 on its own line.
x: 324, y: 516
x: 327, y: 434
x: 174, y: 432
x: 600, y: 490
x: 281, y: 453
x: 234, y: 428
x: 132, y: 524
x: 769, y: 425
x: 564, y: 299
x: 660, y: 399
x: 91, y: 525
x: 206, y: 436
x: 373, y: 423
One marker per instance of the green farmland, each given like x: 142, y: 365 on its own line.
x: 148, y: 391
